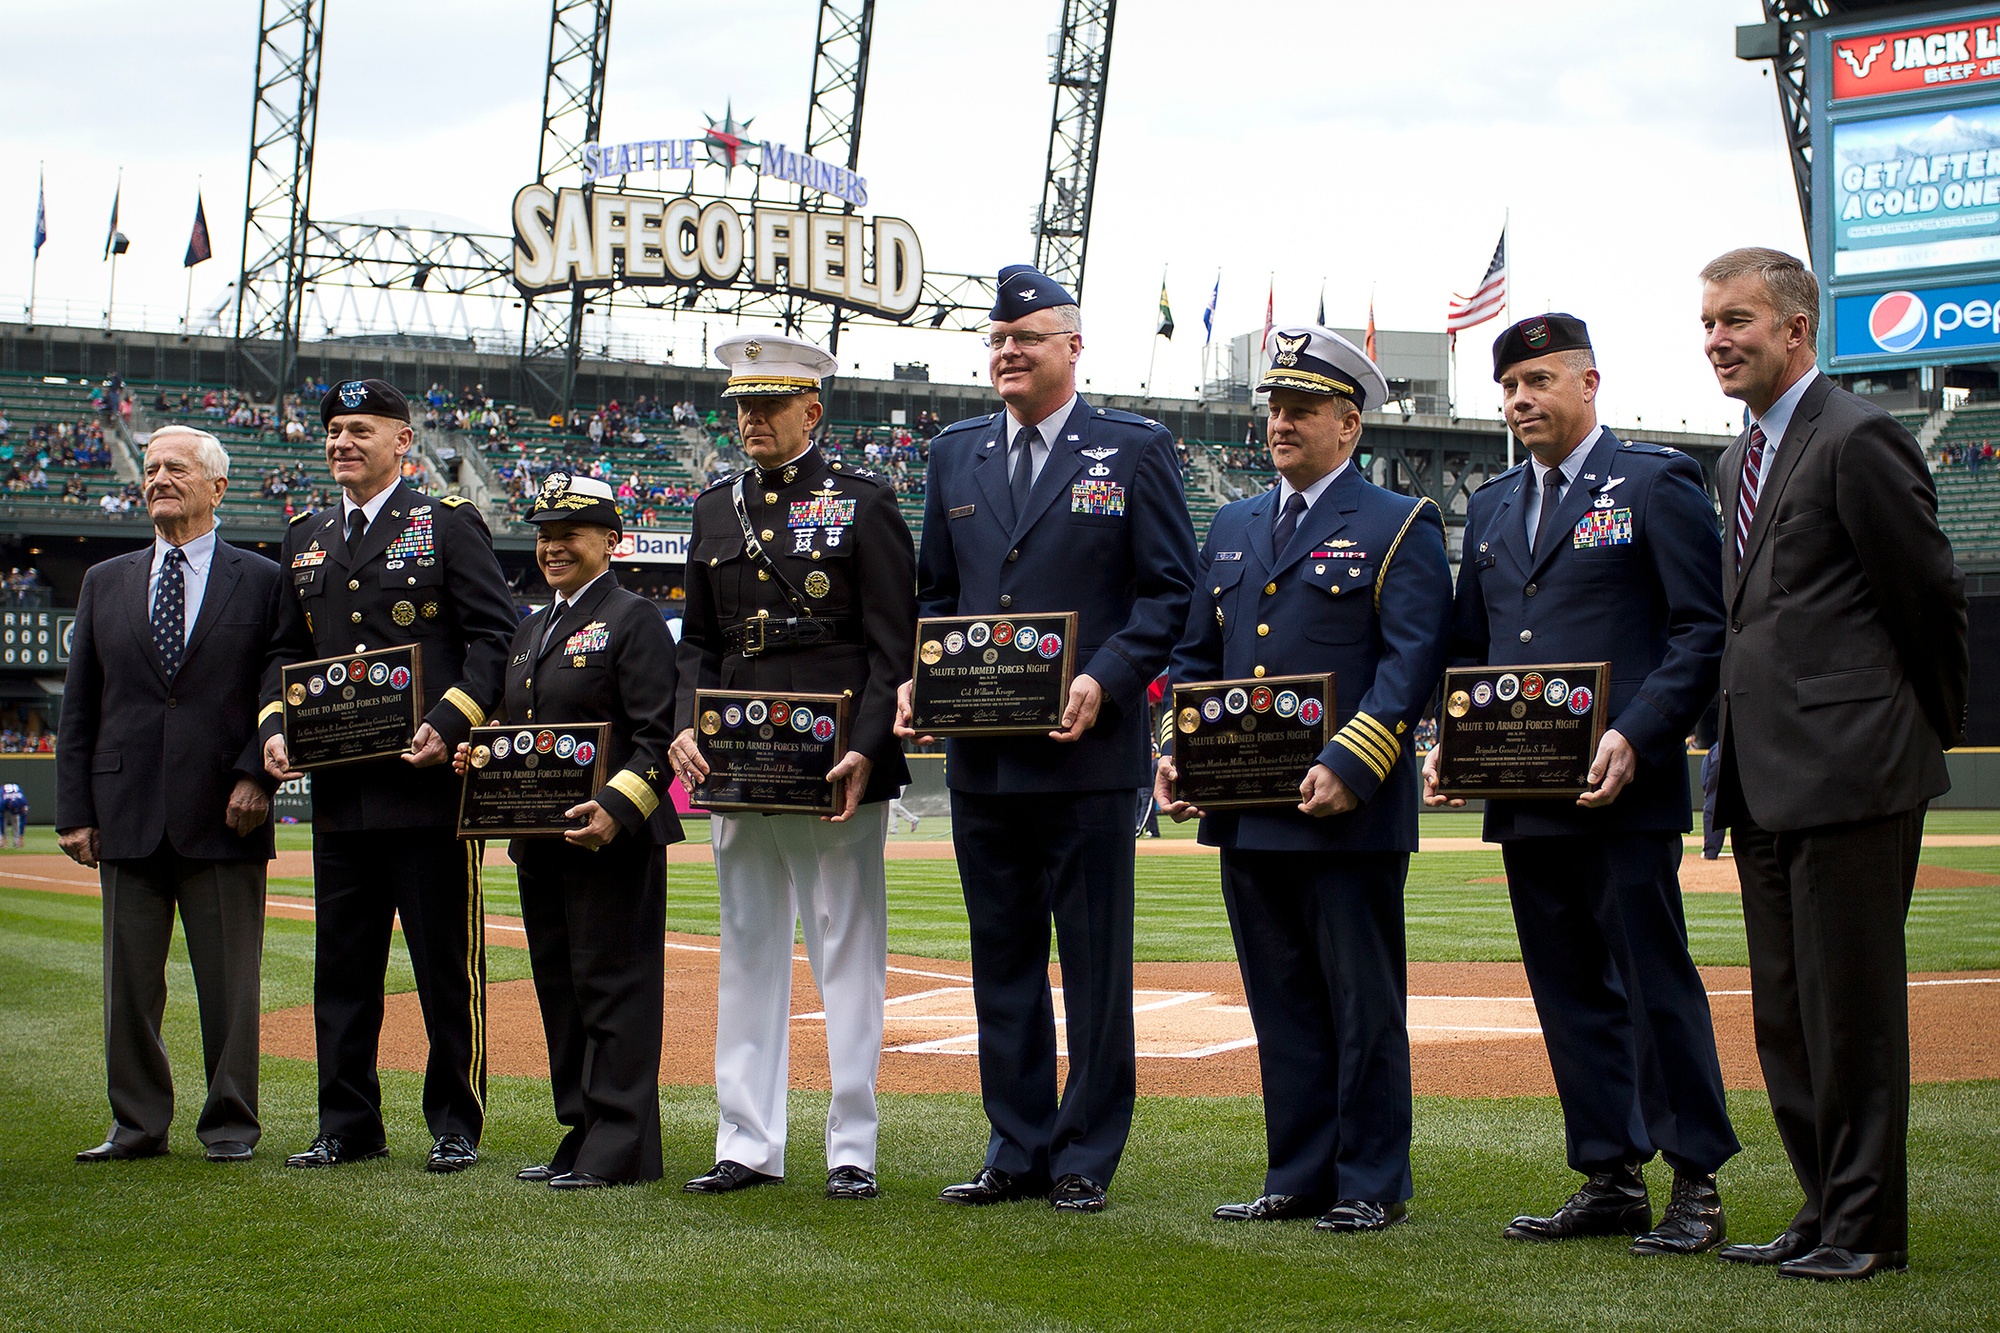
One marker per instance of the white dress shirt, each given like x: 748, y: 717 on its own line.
x: 1312, y: 493
x: 1777, y: 418
x: 372, y: 508
x: 196, y: 557
x: 1570, y: 466
x: 560, y: 605
x: 1045, y: 431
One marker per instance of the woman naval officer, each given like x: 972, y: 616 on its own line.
x: 595, y: 900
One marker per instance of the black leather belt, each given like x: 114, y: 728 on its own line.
x: 768, y: 634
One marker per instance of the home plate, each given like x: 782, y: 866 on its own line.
x: 1180, y: 1024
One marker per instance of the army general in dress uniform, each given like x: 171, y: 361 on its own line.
x: 1594, y: 550
x: 392, y: 566
x: 1325, y: 572
x: 594, y: 900
x: 1055, y: 505
x: 800, y: 577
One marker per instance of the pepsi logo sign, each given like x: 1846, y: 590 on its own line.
x: 1897, y: 321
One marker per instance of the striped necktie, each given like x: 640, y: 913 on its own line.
x: 1746, y: 490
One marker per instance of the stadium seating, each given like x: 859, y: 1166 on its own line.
x: 1968, y: 492
x: 28, y: 402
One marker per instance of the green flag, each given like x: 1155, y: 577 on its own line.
x: 1166, y: 329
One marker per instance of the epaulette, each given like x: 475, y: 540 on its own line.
x: 1129, y: 418
x: 300, y: 518
x: 1496, y: 480
x: 866, y: 474
x: 970, y: 423
x: 453, y: 501
x: 725, y: 479
x: 1646, y: 447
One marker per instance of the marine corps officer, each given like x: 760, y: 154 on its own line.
x: 594, y: 900
x: 1054, y: 504
x: 1604, y: 550
x: 800, y: 577
x: 1325, y: 572
x: 393, y: 566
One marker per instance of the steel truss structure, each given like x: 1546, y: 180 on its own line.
x: 368, y: 277
x: 284, y: 112
x: 1081, y: 68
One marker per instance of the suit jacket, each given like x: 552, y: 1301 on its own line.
x: 1846, y: 670
x: 1363, y: 589
x: 140, y: 757
x: 609, y: 659
x: 860, y: 572
x: 1106, y: 534
x: 425, y: 574
x: 1629, y: 578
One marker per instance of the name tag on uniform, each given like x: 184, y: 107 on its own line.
x: 1603, y: 527
x: 1097, y: 497
x: 1229, y: 555
x: 962, y: 511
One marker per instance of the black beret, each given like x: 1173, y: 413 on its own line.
x: 1022, y: 291
x: 1539, y: 335
x: 567, y: 499
x: 375, y: 398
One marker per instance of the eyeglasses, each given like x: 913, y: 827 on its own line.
x: 1027, y: 342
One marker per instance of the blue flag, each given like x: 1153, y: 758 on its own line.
x: 41, y: 215
x: 1208, y: 315
x: 198, y: 247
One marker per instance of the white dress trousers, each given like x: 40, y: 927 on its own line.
x: 774, y: 870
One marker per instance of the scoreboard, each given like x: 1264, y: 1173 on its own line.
x: 1906, y: 190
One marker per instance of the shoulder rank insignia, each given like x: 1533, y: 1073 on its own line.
x: 453, y: 501
x: 300, y: 518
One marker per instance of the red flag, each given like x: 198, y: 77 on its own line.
x: 1268, y: 297
x: 1368, y: 343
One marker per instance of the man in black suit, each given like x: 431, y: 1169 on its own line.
x: 1844, y: 679
x: 389, y: 565
x: 161, y: 787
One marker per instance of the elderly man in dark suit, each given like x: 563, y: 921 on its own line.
x: 1844, y: 680
x: 161, y: 787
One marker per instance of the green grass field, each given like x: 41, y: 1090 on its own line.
x: 177, y: 1243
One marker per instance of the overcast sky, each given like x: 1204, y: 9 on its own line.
x: 1376, y: 148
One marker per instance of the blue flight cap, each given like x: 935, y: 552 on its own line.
x: 1022, y: 290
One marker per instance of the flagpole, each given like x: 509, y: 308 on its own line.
x: 35, y: 267
x: 187, y: 308
x: 1507, y: 309
x: 1154, y: 355
x: 111, y: 296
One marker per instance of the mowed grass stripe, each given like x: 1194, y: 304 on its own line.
x: 179, y: 1243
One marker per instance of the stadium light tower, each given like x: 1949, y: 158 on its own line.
x: 572, y: 115
x: 270, y: 291
x: 1082, y: 66
x: 839, y: 90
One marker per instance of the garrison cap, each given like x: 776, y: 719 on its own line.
x: 1021, y: 290
x: 1312, y: 359
x: 767, y: 365
x: 567, y: 499
x: 375, y: 398
x: 1539, y: 335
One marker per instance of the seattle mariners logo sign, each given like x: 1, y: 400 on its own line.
x: 352, y: 394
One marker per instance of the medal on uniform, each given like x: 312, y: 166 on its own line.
x: 817, y: 584
x: 403, y: 613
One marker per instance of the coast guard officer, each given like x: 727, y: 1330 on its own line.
x: 1055, y: 505
x: 594, y: 901
x: 1325, y: 572
x: 388, y: 566
x: 1594, y: 550
x: 801, y: 577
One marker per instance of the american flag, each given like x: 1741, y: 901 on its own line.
x: 1487, y: 300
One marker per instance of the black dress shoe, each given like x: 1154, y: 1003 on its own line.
x: 851, y: 1182
x: 1693, y: 1222
x: 332, y: 1150
x: 1268, y: 1208
x: 579, y: 1180
x: 1363, y: 1215
x: 113, y: 1151
x: 992, y: 1185
x: 228, y: 1150
x: 1830, y: 1263
x: 1077, y: 1194
x: 726, y: 1176
x: 1611, y: 1203
x: 538, y: 1175
x: 451, y: 1152
x: 1789, y: 1245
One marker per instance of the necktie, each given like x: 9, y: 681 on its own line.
x: 1288, y: 522
x: 1024, y: 469
x: 357, y: 528
x: 170, y: 612
x: 1746, y: 491
x: 556, y: 610
x: 1552, y: 496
